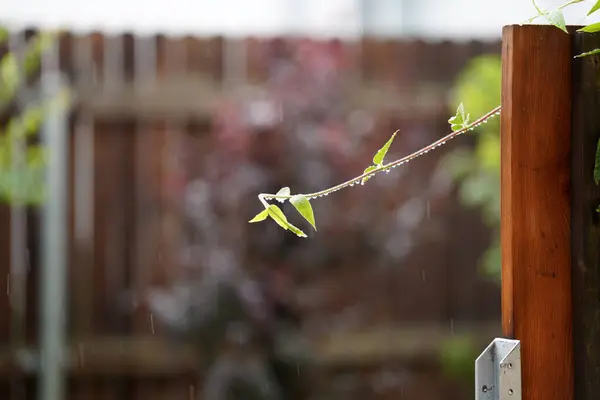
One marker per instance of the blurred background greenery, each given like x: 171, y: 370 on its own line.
x: 477, y: 173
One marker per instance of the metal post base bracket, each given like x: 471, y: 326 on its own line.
x: 498, y: 371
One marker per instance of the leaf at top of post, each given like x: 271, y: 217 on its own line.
x: 594, y: 8
x: 284, y: 191
x: 591, y: 28
x: 557, y: 19
x: 380, y: 155
x: 588, y: 53
x: 278, y: 216
x: 368, y: 169
x: 304, y: 208
x: 261, y: 216
x: 597, y: 166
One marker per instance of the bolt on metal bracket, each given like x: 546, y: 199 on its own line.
x: 498, y: 371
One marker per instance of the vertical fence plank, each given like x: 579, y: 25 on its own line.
x: 585, y: 220
x: 535, y: 223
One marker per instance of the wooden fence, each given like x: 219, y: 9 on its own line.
x: 141, y: 102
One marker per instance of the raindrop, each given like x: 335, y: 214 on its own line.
x: 510, y: 391
x: 152, y: 323
x: 484, y: 389
x: 452, y: 325
x: 428, y: 209
x: 423, y: 274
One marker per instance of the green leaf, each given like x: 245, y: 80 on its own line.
x: 261, y: 216
x: 3, y: 35
x: 589, y: 53
x: 380, y: 155
x: 590, y: 28
x: 296, y: 230
x: 304, y: 208
x: 9, y: 73
x: 557, y: 19
x: 595, y: 8
x: 597, y: 166
x: 461, y: 111
x: 278, y: 216
x: 368, y: 169
x: 285, y: 191
x: 460, y: 120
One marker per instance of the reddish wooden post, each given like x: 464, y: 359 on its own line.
x: 536, y: 242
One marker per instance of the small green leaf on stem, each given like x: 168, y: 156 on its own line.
x: 459, y: 121
x: 285, y: 191
x: 589, y: 53
x: 296, y: 230
x: 303, y: 206
x: 278, y: 216
x: 261, y: 216
x: 597, y: 166
x: 368, y: 169
x: 380, y: 155
x: 557, y: 19
x: 590, y: 28
x: 594, y: 8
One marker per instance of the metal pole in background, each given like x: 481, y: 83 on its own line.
x: 54, y: 240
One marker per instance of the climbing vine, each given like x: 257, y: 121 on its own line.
x: 459, y: 124
x: 22, y: 178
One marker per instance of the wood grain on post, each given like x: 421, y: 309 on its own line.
x: 535, y: 222
x: 585, y: 221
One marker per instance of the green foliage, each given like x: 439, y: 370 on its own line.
x: 302, y: 204
x: 595, y: 8
x: 460, y: 120
x: 588, y: 53
x: 304, y: 208
x: 367, y: 170
x: 557, y: 19
x: 381, y: 153
x: 590, y: 28
x: 261, y: 216
x: 478, y: 172
x: 456, y: 357
x: 22, y: 178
